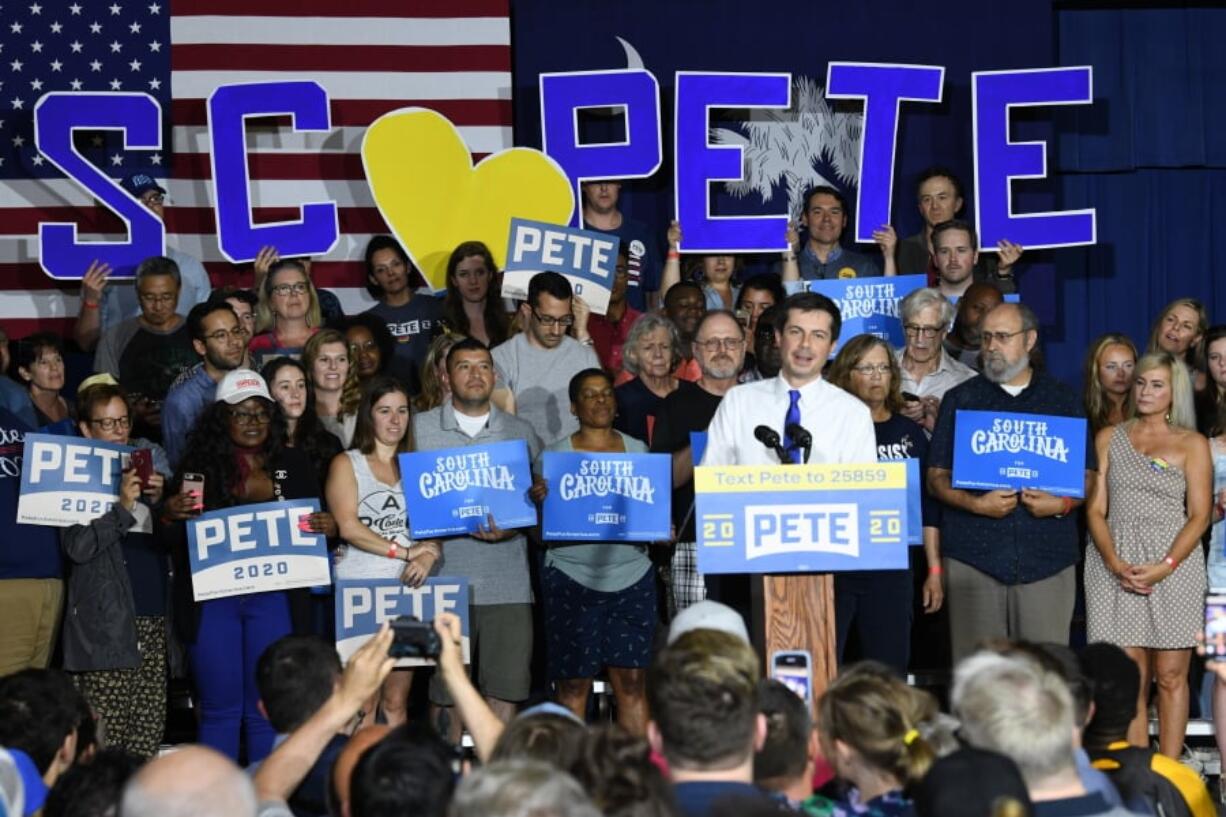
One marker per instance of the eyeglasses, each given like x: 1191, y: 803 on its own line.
x: 715, y: 344
x: 924, y: 331
x: 163, y: 298
x: 868, y: 370
x: 247, y: 418
x: 550, y: 320
x: 997, y: 337
x: 238, y: 333
x: 153, y: 198
x: 111, y: 423
x: 297, y: 288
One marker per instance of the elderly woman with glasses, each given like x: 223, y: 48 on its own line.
x: 878, y: 603
x: 651, y: 354
x: 239, y: 449
x: 927, y: 370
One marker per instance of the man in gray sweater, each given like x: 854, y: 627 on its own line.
x: 494, y: 561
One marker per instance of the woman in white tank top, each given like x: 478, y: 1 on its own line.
x: 365, y: 497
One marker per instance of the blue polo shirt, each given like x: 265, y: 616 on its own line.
x: 1018, y: 549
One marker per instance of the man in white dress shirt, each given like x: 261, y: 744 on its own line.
x: 807, y: 327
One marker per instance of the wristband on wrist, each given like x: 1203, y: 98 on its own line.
x: 935, y: 570
x: 393, y: 552
x: 1170, y: 562
x: 89, y: 304
x: 673, y: 255
x: 1066, y: 507
x: 789, y: 256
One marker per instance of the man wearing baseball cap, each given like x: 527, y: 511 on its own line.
x: 104, y: 304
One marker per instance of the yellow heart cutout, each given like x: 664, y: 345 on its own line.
x: 422, y: 177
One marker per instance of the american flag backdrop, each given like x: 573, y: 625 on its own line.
x: 372, y: 56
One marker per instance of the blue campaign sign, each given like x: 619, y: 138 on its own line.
x: 68, y: 480
x: 362, y: 605
x: 1013, y: 451
x: 607, y: 497
x: 869, y: 306
x: 801, y: 518
x: 256, y: 548
x: 698, y: 446
x: 586, y: 257
x: 451, y: 491
x: 915, y: 505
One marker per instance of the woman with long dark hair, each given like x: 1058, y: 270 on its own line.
x: 239, y: 449
x: 472, y: 306
x: 371, y: 346
x: 287, y: 382
x: 365, y: 493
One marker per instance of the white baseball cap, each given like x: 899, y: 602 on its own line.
x: 708, y: 615
x: 240, y: 384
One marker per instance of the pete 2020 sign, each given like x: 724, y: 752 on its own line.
x: 801, y: 518
x: 454, y: 490
x: 543, y: 185
x: 1014, y: 451
x: 588, y: 259
x: 72, y: 481
x: 362, y: 605
x: 255, y: 548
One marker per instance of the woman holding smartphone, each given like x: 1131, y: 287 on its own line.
x: 238, y: 449
x: 114, y: 636
x: 365, y: 493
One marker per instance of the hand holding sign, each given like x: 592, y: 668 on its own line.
x: 366, y: 670
x: 997, y: 504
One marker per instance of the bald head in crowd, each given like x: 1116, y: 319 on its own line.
x: 191, y: 782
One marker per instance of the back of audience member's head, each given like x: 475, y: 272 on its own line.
x: 407, y: 773
x: 784, y: 754
x: 39, y: 713
x: 340, y: 777
x: 520, y: 788
x: 194, y: 781
x: 972, y: 783
x: 701, y: 691
x: 549, y: 738
x: 616, y: 770
x: 936, y: 727
x: 295, y: 676
x: 1010, y: 704
x: 93, y: 789
x: 1059, y: 659
x: 873, y: 717
x: 1116, y: 684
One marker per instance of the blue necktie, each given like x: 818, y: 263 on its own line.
x: 793, y: 418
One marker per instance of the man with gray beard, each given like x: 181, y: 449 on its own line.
x: 719, y: 350
x: 1009, y: 556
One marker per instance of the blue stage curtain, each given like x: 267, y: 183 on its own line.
x: 1150, y: 156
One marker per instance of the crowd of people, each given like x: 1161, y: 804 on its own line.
x: 273, y: 392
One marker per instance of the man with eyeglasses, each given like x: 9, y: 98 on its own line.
x: 807, y: 326
x: 719, y: 349
x: 147, y: 353
x: 220, y: 339
x: 105, y: 304
x: 535, y: 366
x: 1009, y: 556
x: 927, y: 371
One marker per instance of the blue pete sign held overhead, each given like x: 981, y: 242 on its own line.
x: 998, y: 161
x: 587, y: 258
x: 362, y: 605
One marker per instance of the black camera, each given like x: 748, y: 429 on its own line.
x: 413, y: 638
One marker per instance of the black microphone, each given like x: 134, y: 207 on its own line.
x: 800, y: 436
x: 770, y: 438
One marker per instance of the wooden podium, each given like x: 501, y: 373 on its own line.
x: 796, y: 612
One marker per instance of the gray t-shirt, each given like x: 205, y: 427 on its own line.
x: 539, y: 379
x: 497, y: 572
x: 604, y: 566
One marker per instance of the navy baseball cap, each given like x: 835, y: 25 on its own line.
x: 138, y: 184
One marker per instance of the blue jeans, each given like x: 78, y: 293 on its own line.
x: 233, y: 633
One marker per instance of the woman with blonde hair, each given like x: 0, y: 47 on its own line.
x: 1149, y: 506
x: 334, y: 382
x: 866, y: 725
x: 435, y: 389
x: 287, y: 314
x: 1107, y: 375
x: 1179, y: 329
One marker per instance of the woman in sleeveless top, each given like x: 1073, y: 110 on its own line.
x: 1145, y: 578
x: 364, y: 494
x: 1213, y: 419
